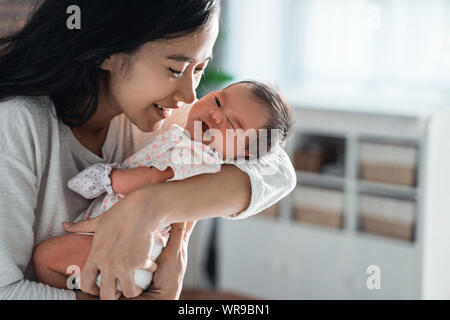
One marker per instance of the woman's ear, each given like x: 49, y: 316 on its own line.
x: 108, y: 63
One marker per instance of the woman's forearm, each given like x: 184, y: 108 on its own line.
x: 225, y: 193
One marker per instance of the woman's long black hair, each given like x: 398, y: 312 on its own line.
x: 45, y: 58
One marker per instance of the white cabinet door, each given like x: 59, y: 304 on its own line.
x: 249, y: 257
x: 283, y: 261
x: 397, y: 261
x: 319, y: 254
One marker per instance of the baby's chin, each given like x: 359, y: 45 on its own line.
x: 195, y: 132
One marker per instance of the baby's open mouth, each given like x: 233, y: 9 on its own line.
x: 207, y: 136
x: 205, y: 127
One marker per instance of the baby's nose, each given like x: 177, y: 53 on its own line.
x: 216, y: 116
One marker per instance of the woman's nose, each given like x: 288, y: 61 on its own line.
x: 186, y: 90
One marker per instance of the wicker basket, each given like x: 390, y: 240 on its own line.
x: 389, y: 174
x: 388, y: 163
x: 319, y: 217
x: 319, y: 206
x: 387, y: 228
x: 387, y: 217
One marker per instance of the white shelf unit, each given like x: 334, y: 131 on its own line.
x: 281, y: 258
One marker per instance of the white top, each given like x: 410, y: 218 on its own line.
x: 39, y: 154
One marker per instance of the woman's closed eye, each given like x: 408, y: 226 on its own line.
x: 179, y: 74
x: 176, y: 73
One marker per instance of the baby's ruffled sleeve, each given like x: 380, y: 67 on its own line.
x: 93, y: 181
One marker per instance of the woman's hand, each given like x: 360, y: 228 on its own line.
x: 122, y: 243
x: 168, y: 278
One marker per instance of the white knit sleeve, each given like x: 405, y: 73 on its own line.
x: 30, y: 290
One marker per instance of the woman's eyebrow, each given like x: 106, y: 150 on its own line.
x: 183, y: 58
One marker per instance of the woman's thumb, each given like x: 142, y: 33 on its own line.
x: 82, y: 226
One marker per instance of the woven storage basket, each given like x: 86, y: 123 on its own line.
x: 387, y: 217
x: 388, y: 163
x: 389, y: 174
x: 319, y: 206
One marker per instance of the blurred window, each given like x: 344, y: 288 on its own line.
x: 403, y: 44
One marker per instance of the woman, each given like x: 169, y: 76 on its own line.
x: 111, y: 85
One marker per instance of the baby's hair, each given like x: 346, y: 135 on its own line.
x: 279, y: 113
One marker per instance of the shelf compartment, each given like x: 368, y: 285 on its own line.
x: 387, y: 217
x: 319, y: 206
x: 320, y: 154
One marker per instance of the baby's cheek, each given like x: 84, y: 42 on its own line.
x: 228, y: 145
x: 235, y: 145
x: 239, y: 145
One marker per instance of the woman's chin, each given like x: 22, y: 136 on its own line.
x: 150, y: 127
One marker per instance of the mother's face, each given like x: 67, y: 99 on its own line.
x: 163, y: 75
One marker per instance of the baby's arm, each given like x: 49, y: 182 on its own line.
x: 52, y: 257
x: 124, y: 181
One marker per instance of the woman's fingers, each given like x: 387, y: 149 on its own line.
x: 172, y: 261
x: 176, y: 237
x: 128, y: 286
x: 82, y: 226
x: 179, y: 234
x: 189, y: 228
x: 108, y: 287
x: 152, y: 266
x: 88, y: 279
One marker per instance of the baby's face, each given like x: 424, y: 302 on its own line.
x: 232, y: 108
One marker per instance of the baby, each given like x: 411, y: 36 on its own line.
x: 222, y: 127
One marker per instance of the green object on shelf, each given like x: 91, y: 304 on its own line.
x: 216, y: 77
x: 212, y: 79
